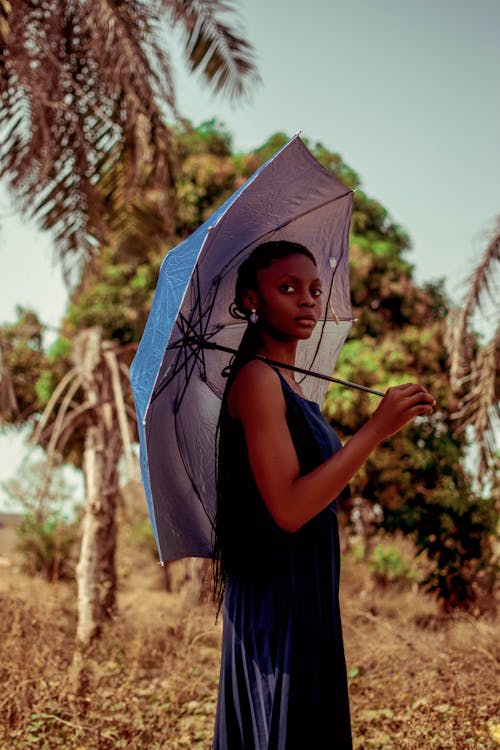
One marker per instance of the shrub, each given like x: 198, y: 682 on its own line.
x: 458, y: 541
x: 388, y: 566
x: 48, y: 547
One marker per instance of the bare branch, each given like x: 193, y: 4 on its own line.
x: 61, y: 413
x: 111, y: 360
x: 58, y: 391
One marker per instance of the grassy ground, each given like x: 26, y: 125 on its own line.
x: 417, y: 680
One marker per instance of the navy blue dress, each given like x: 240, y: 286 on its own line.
x: 283, y: 682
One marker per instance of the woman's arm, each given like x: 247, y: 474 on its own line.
x: 256, y: 400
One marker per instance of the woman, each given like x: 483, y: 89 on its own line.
x: 281, y: 470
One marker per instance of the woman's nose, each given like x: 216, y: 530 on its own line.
x: 308, y: 300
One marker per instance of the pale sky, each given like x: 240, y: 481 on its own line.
x: 406, y: 92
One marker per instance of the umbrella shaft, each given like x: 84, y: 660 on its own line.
x: 211, y: 345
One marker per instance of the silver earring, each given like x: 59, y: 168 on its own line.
x: 253, y: 317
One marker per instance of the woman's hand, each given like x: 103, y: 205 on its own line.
x: 398, y: 407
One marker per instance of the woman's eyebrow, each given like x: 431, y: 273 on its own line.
x: 298, y: 279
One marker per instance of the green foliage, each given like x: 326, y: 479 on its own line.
x: 22, y: 358
x: 58, y: 363
x: 60, y: 349
x: 47, y: 547
x: 114, y: 294
x: 389, y: 566
x: 269, y: 148
x: 46, y: 538
x: 454, y: 528
x: 210, y: 137
x: 44, y: 386
x: 418, y: 476
x: 333, y: 162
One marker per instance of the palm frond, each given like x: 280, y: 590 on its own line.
x: 480, y: 405
x: 214, y: 47
x: 475, y: 369
x: 84, y: 84
x: 459, y: 341
x: 460, y: 346
x: 483, y: 280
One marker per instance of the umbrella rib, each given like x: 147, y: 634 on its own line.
x: 187, y: 327
x: 195, y: 337
x: 277, y: 229
x: 194, y: 356
x: 181, y: 362
x: 200, y: 319
x: 178, y: 400
x: 324, y: 321
x: 302, y: 370
x: 210, y: 307
x: 188, y: 474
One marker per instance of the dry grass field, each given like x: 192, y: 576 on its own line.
x: 418, y: 680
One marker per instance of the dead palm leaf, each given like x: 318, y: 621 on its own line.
x: 474, y: 369
x: 84, y: 84
x: 213, y: 47
x: 480, y: 404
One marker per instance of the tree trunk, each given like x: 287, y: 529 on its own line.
x: 195, y: 583
x: 96, y: 574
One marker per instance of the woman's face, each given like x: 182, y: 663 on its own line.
x: 288, y: 297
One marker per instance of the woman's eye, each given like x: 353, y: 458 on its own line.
x: 316, y: 292
x: 287, y: 288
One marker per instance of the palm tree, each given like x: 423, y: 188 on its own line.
x: 475, y: 370
x: 87, y: 84
x: 85, y: 87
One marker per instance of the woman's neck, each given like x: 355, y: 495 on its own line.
x: 281, y: 351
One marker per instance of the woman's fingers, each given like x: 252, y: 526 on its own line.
x: 411, y: 393
x: 421, y: 409
x: 421, y: 398
x: 400, y: 405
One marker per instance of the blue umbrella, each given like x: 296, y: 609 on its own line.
x: 177, y: 374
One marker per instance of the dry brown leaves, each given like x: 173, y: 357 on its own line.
x: 417, y: 679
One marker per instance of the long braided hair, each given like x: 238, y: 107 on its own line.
x: 261, y: 257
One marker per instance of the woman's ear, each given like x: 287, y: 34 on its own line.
x: 250, y: 300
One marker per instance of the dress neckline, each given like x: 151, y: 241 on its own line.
x: 295, y: 393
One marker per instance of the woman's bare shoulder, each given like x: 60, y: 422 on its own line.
x: 256, y: 386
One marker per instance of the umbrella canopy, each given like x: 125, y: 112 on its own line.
x: 178, y: 383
